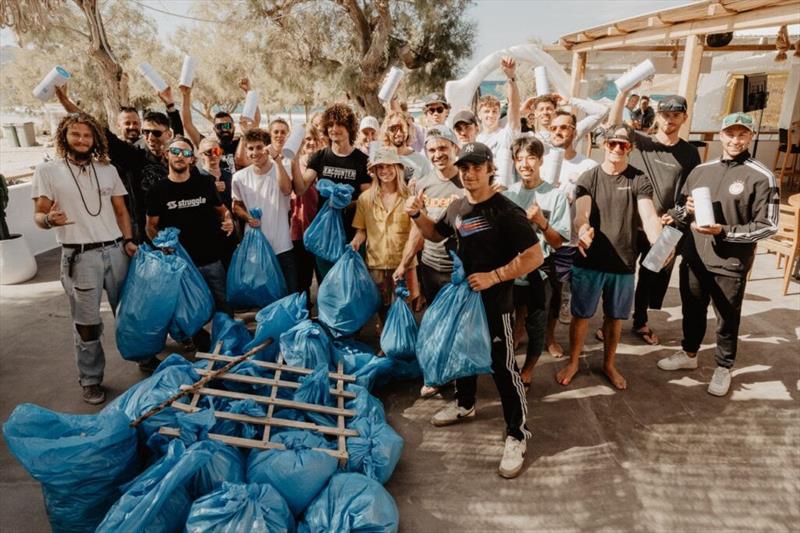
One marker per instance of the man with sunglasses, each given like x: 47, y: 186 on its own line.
x: 667, y: 160
x: 397, y: 134
x: 436, y: 110
x: 610, y: 202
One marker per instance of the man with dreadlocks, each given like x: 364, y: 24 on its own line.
x: 80, y: 196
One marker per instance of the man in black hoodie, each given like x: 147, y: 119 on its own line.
x: 716, y: 258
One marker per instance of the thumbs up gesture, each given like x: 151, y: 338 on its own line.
x: 415, y: 204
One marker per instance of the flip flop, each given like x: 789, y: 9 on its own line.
x: 599, y: 335
x: 648, y: 336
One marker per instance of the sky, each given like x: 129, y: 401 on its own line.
x: 500, y: 23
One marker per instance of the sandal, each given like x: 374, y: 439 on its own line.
x: 599, y: 335
x: 647, y: 335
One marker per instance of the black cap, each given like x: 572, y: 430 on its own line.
x: 619, y: 132
x: 435, y: 98
x: 465, y: 116
x: 672, y: 103
x: 474, y: 153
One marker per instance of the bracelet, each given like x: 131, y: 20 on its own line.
x: 47, y: 221
x: 416, y: 215
x: 499, y: 280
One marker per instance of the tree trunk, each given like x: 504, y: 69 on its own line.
x: 114, y: 79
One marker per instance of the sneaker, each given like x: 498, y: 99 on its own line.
x: 564, y: 313
x: 720, y: 381
x: 452, y: 414
x: 513, y: 457
x: 677, y: 361
x: 94, y: 394
x: 148, y: 366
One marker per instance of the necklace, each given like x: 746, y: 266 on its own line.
x: 96, y: 182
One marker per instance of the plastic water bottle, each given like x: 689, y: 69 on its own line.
x: 660, y: 251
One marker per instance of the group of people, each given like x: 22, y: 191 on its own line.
x: 472, y: 183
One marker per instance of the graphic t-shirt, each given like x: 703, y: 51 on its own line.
x: 438, y: 194
x: 349, y: 170
x: 190, y: 207
x: 614, y: 217
x: 667, y: 167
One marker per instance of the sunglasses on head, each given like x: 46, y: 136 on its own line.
x: 437, y: 110
x: 155, y: 133
x: 224, y: 126
x: 215, y: 151
x: 619, y: 144
x: 185, y: 152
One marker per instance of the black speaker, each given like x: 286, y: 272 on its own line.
x: 716, y: 40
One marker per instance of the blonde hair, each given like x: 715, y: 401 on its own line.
x: 394, y: 115
x: 399, y: 176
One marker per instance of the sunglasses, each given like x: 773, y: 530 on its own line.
x: 435, y: 110
x: 215, y: 152
x: 396, y: 127
x: 224, y: 126
x: 562, y: 127
x: 619, y: 144
x: 155, y: 133
x: 185, y: 152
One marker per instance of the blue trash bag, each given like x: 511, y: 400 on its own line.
x: 299, y: 472
x: 255, y: 278
x: 306, y: 345
x: 80, y: 460
x: 149, y: 298
x: 195, y: 301
x: 384, y: 370
x: 315, y: 389
x: 325, y: 237
x: 353, y: 355
x: 399, y: 336
x: 236, y: 508
x: 242, y: 407
x: 347, y: 297
x: 377, y: 449
x: 232, y: 333
x: 351, y: 502
x: 275, y: 319
x: 365, y: 404
x: 248, y: 368
x: 158, y: 500
x: 453, y: 339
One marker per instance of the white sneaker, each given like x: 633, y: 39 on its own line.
x: 677, y: 361
x: 452, y: 414
x: 564, y: 313
x: 720, y: 382
x: 513, y: 457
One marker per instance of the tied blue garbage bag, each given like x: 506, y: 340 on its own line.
x: 381, y: 371
x: 236, y: 508
x: 347, y: 297
x: 299, y: 472
x: 453, y: 339
x: 352, y: 354
x: 325, y: 237
x: 306, y: 345
x: 315, y: 388
x: 240, y: 407
x: 351, y: 502
x: 248, y: 368
x: 275, y: 319
x: 399, y: 336
x: 255, y: 278
x: 377, y: 449
x: 80, y: 460
x: 195, y: 303
x: 149, y: 298
x: 232, y: 333
x: 365, y: 404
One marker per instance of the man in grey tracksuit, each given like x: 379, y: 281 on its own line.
x: 716, y: 258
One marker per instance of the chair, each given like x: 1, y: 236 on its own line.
x: 787, y: 148
x: 785, y: 242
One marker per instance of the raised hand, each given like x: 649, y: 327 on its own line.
x: 57, y: 217
x: 166, y: 96
x: 415, y: 203
x: 244, y: 84
x: 509, y: 66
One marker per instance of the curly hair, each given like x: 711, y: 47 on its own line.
x: 488, y: 100
x: 99, y: 145
x: 547, y: 98
x: 340, y: 114
x: 256, y: 135
x: 390, y: 117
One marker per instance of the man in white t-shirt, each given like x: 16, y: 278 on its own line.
x: 396, y: 133
x: 81, y: 197
x: 498, y: 138
x: 269, y: 187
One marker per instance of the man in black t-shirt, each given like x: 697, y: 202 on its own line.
x: 190, y: 202
x: 496, y: 244
x: 610, y: 201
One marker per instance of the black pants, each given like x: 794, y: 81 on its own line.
x: 504, y: 367
x: 431, y: 281
x: 537, y: 297
x: 698, y: 286
x: 651, y: 287
x: 305, y: 266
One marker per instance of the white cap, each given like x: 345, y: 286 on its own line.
x: 369, y: 122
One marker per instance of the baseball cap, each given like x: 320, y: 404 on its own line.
x: 474, y: 153
x: 385, y: 156
x: 619, y: 132
x: 369, y: 122
x: 435, y: 98
x: 738, y: 119
x: 464, y: 116
x: 441, y: 132
x: 673, y: 102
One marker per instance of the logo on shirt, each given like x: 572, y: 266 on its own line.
x: 338, y: 173
x: 471, y: 226
x: 186, y: 203
x: 736, y: 187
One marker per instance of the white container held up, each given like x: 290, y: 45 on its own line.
x: 551, y: 165
x: 658, y: 254
x: 640, y: 72
x: 390, y: 84
x: 47, y: 87
x: 152, y: 77
x: 187, y: 71
x: 542, y: 86
x: 703, y: 207
x: 250, y: 104
x: 295, y: 142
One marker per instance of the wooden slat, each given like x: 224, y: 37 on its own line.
x: 209, y: 368
x: 324, y: 409
x: 342, y: 442
x: 273, y: 395
x: 255, y: 380
x: 274, y: 366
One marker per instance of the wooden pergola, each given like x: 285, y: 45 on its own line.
x: 685, y: 27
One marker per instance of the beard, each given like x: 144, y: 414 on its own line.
x: 179, y: 168
x: 225, y: 137
x: 82, y: 155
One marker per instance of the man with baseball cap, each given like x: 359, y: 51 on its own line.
x: 716, y: 258
x: 611, y: 200
x: 466, y: 126
x: 497, y: 245
x: 436, y: 109
x: 667, y: 160
x: 367, y: 132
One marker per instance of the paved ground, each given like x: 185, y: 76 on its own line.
x: 662, y: 456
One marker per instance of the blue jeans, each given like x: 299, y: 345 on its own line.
x: 214, y: 274
x: 289, y: 270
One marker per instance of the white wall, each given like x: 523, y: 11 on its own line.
x: 19, y: 215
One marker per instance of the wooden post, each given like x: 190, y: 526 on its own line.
x: 578, y: 72
x: 690, y: 74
